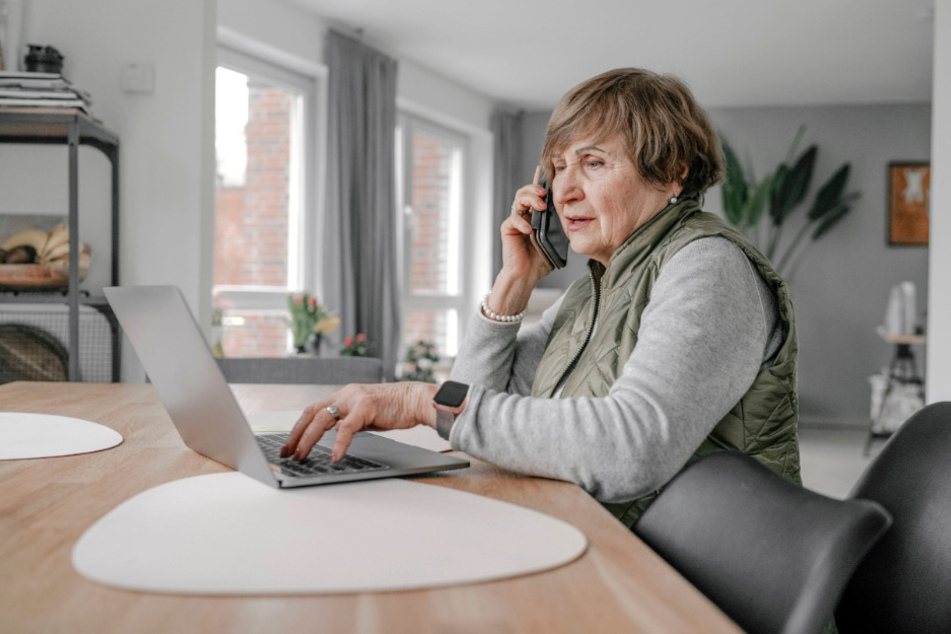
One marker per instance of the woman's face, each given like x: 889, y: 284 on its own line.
x: 600, y: 196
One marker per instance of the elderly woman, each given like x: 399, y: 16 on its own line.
x: 680, y: 342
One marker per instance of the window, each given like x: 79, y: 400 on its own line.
x: 262, y: 199
x: 431, y: 160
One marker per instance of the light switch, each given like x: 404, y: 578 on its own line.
x: 139, y: 77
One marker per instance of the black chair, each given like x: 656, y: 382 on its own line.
x: 303, y: 370
x: 904, y: 584
x: 772, y: 555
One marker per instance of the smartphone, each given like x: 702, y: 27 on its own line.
x: 547, y: 235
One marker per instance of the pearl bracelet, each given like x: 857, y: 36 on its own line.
x: 505, y: 319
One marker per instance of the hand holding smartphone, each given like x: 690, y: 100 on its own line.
x: 547, y: 235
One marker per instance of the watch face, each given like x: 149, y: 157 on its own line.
x: 451, y: 394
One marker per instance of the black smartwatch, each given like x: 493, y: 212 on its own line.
x: 448, y: 403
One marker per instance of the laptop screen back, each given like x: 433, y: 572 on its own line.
x: 180, y: 364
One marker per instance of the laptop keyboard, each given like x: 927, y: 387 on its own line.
x: 317, y: 463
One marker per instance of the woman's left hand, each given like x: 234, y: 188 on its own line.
x: 373, y: 406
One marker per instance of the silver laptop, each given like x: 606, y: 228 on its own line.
x: 206, y: 414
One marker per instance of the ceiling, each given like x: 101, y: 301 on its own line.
x: 731, y: 52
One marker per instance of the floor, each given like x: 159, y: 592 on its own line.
x: 832, y: 458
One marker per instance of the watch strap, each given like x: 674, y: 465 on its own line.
x: 444, y: 420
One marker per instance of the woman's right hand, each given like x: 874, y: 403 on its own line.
x: 522, y: 265
x: 520, y: 259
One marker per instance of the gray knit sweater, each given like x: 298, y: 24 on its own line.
x: 711, y: 325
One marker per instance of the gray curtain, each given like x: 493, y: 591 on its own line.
x: 359, y: 254
x: 507, y: 176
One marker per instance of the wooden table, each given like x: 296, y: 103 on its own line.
x: 618, y: 585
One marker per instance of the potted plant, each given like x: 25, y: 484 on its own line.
x: 763, y: 208
x: 355, y: 346
x: 309, y: 322
x: 419, y: 362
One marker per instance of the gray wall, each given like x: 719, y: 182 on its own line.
x: 841, y: 288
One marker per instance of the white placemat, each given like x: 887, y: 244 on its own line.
x: 25, y: 435
x: 228, y: 534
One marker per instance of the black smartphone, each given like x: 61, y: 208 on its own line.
x: 547, y: 235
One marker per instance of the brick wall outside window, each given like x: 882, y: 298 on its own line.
x: 429, y: 241
x: 251, y: 224
x: 261, y: 335
x: 430, y: 204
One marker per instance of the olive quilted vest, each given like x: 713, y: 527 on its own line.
x: 762, y: 424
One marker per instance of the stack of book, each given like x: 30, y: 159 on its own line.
x: 41, y: 90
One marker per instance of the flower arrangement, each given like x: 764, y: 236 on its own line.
x: 309, y: 320
x: 420, y: 359
x: 355, y: 347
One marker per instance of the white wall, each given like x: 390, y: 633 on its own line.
x: 164, y: 184
x: 282, y: 33
x: 939, y: 296
x: 841, y: 289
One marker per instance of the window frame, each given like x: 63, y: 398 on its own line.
x: 409, y: 121
x: 310, y: 82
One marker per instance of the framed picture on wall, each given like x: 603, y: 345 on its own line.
x: 909, y: 193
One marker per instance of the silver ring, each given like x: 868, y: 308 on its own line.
x: 333, y: 411
x: 516, y: 210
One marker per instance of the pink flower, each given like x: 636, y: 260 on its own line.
x: 313, y: 302
x: 348, y: 341
x: 361, y: 337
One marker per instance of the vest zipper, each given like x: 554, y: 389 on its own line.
x: 598, y: 291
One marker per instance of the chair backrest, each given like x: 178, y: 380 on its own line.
x: 772, y: 555
x: 904, y: 584
x: 303, y: 370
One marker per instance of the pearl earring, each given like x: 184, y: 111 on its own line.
x: 673, y: 200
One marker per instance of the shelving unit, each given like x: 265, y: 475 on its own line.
x: 72, y: 128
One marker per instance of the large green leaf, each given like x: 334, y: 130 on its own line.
x: 775, y: 194
x: 756, y: 204
x: 797, y: 184
x: 791, y: 191
x: 829, y: 195
x: 735, y: 190
x: 782, y: 193
x: 830, y: 220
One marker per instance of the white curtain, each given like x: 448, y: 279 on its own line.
x: 359, y: 253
